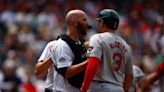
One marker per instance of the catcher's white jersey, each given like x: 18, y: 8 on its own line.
x: 62, y: 56
x: 44, y: 56
x: 115, y: 56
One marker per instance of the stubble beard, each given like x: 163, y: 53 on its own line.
x: 81, y: 29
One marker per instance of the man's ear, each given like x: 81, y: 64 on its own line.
x: 101, y: 24
x: 75, y: 22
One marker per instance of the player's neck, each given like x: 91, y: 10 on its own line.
x: 73, y: 35
x: 109, y: 30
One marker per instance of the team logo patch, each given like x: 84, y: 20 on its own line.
x: 90, y: 48
x: 62, y: 59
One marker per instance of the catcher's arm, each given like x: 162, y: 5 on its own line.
x: 75, y: 69
x: 41, y: 67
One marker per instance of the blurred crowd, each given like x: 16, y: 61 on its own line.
x: 26, y: 26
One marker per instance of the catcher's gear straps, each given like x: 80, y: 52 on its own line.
x: 77, y: 49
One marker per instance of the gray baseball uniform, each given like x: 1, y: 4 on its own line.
x: 137, y: 76
x: 115, y: 56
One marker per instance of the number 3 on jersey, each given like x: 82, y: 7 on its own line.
x: 117, y: 57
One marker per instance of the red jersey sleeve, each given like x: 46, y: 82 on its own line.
x: 160, y: 69
x: 90, y: 72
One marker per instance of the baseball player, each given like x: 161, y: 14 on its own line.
x: 137, y: 76
x: 62, y: 60
x: 109, y: 58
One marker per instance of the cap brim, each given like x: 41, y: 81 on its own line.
x: 101, y: 18
x: 97, y: 19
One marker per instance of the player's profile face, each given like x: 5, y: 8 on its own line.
x: 82, y: 25
x: 81, y: 28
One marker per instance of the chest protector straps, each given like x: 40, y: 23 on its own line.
x: 78, y: 51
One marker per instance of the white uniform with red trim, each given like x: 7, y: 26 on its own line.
x: 115, y: 56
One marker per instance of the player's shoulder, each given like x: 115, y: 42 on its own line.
x: 97, y: 36
x: 127, y: 46
x: 52, y: 42
x: 124, y: 42
x: 106, y: 35
x: 61, y: 43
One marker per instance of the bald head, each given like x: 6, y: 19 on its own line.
x: 77, y: 23
x: 73, y: 16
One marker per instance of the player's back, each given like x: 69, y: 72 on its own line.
x: 115, y: 54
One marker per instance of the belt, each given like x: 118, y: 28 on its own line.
x: 97, y: 81
x: 47, y: 90
x: 101, y: 81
